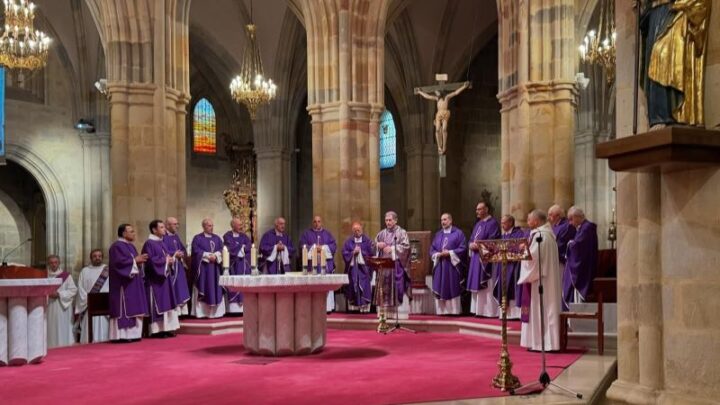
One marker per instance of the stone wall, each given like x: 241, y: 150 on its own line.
x: 41, y: 138
x: 668, y: 280
x: 473, y: 159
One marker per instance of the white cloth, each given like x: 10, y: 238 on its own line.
x: 60, y: 313
x: 284, y: 257
x: 169, y: 322
x: 483, y: 303
x: 100, y: 324
x: 513, y: 311
x: 201, y: 309
x: 134, y: 332
x: 545, y: 256
x: 448, y: 307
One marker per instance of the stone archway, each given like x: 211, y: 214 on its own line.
x: 56, y: 204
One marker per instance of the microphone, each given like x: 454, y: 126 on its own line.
x: 4, y: 263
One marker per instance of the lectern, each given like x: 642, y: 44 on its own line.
x: 385, y: 288
x: 23, y: 301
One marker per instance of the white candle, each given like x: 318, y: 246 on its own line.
x: 188, y: 248
x: 314, y: 259
x: 304, y: 256
x: 253, y: 256
x: 394, y: 257
x: 225, y: 257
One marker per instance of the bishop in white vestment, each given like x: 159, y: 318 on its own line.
x: 544, y: 252
x: 93, y: 279
x: 60, y: 307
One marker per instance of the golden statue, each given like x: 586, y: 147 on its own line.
x: 676, y: 39
x: 241, y: 197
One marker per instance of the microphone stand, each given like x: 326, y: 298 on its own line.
x: 4, y: 263
x: 397, y: 325
x: 544, y: 379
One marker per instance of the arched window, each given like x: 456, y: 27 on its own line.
x: 388, y: 155
x: 204, y: 128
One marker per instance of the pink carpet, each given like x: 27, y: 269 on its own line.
x: 356, y: 367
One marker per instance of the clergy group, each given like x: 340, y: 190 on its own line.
x: 150, y: 289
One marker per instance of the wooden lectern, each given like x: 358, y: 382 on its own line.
x: 385, y: 288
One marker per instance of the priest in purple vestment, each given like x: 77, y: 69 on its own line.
x: 512, y: 269
x: 582, y: 253
x: 563, y: 230
x: 238, y: 245
x: 178, y: 278
x: 356, y: 250
x: 393, y: 242
x: 277, y: 249
x: 447, y: 252
x: 321, y: 241
x: 208, y: 298
x: 128, y: 301
x: 161, y: 296
x: 480, y: 275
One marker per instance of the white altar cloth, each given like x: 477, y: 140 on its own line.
x: 284, y: 314
x: 23, y: 327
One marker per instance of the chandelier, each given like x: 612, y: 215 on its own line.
x: 598, y: 47
x: 21, y: 46
x: 251, y: 87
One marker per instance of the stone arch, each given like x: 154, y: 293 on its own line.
x: 56, y: 202
x: 23, y: 228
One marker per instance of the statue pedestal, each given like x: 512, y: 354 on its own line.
x: 665, y: 150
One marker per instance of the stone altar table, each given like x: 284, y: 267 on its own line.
x: 284, y: 314
x: 23, y: 325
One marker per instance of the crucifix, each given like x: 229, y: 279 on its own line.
x: 442, y: 93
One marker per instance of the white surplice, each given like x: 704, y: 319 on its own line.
x: 545, y: 255
x: 100, y: 324
x: 60, y: 313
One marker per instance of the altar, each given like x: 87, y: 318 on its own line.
x: 22, y: 319
x: 284, y: 314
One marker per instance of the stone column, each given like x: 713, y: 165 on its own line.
x: 538, y: 98
x: 273, y: 186
x: 345, y: 98
x: 96, y: 180
x: 146, y: 43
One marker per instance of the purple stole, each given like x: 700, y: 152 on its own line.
x: 100, y: 282
x: 63, y: 275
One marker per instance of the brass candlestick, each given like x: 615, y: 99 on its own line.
x: 505, y: 380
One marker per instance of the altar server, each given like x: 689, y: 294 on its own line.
x: 238, y: 245
x: 447, y: 252
x: 208, y: 298
x: 60, y: 306
x: 320, y: 241
x: 93, y: 279
x: 128, y: 301
x: 480, y: 280
x: 277, y: 249
x: 356, y: 251
x: 543, y: 250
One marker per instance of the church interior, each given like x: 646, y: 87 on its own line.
x: 427, y: 201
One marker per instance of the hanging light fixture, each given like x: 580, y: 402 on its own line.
x: 598, y: 46
x: 251, y: 87
x: 21, y: 45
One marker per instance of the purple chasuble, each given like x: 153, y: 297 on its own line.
x: 311, y: 237
x: 448, y: 278
x: 161, y: 297
x: 127, y: 291
x: 397, y: 237
x: 206, y: 275
x: 512, y: 269
x: 581, y: 266
x: 564, y: 233
x: 267, y: 243
x: 359, y: 291
x: 239, y: 266
x: 178, y: 278
x: 478, y: 272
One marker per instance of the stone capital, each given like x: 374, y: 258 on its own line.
x: 538, y: 92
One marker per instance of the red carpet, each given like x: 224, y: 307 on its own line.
x: 356, y: 367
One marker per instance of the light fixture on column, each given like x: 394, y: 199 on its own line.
x: 598, y: 46
x: 21, y: 45
x: 251, y: 87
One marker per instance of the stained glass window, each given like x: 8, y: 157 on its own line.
x: 388, y: 155
x: 204, y: 127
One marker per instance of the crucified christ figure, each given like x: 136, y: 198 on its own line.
x: 442, y: 116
